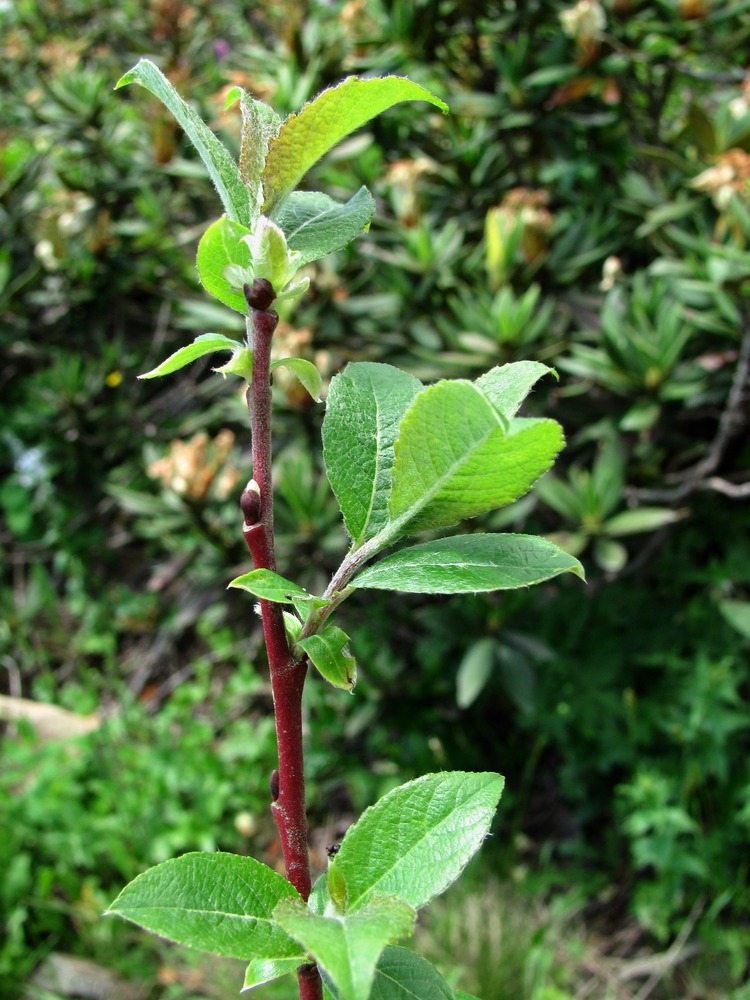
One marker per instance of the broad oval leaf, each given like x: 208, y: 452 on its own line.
x: 347, y: 946
x: 222, y: 169
x: 222, y: 903
x: 469, y: 564
x: 329, y: 652
x: 206, y: 343
x: 269, y: 586
x: 457, y: 457
x: 221, y: 250
x: 315, y: 224
x: 364, y: 409
x: 322, y: 123
x: 416, y: 840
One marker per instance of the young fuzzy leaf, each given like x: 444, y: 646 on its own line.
x: 219, y: 163
x: 305, y: 371
x: 347, y: 946
x: 364, y: 409
x: 416, y: 840
x: 265, y: 970
x: 329, y: 652
x: 322, y: 123
x: 469, y: 564
x: 206, y: 343
x: 222, y: 257
x: 457, y: 457
x: 316, y: 225
x: 269, y: 586
x: 260, y: 124
x: 222, y: 903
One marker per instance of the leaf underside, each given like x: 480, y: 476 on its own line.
x: 469, y: 564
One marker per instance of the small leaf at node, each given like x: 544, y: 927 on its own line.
x: 206, y: 343
x: 336, y: 885
x: 329, y: 652
x: 269, y: 586
x: 305, y: 371
x: 264, y: 970
x: 223, y: 262
x: 241, y: 363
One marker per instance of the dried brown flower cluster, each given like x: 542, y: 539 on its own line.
x: 191, y: 468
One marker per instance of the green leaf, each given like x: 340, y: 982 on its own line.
x: 737, y: 614
x: 364, y: 409
x: 241, y: 363
x: 464, y: 564
x: 206, y: 343
x: 347, y: 946
x: 404, y: 975
x: 322, y: 123
x: 269, y: 586
x: 222, y: 257
x: 260, y: 124
x: 458, y: 457
x: 329, y: 652
x: 632, y: 522
x: 416, y: 840
x: 305, y: 371
x: 610, y: 555
x: 474, y: 671
x: 264, y: 970
x: 507, y: 386
x: 222, y: 903
x: 315, y: 224
x: 221, y: 167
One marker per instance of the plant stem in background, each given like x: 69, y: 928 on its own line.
x: 287, y: 674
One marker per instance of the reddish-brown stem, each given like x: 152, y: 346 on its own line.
x: 287, y: 674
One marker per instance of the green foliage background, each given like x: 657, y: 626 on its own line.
x: 586, y: 204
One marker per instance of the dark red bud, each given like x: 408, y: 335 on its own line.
x: 274, y: 783
x: 250, y: 503
x: 260, y: 294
